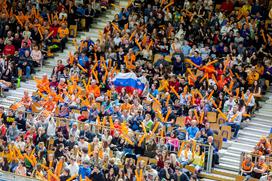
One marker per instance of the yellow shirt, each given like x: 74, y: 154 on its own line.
x: 163, y: 85
x: 251, y: 77
x: 63, y: 32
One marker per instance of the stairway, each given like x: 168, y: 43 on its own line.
x: 247, y: 139
x: 99, y: 23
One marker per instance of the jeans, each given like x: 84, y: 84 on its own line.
x: 27, y: 71
x: 236, y: 128
x: 184, y: 163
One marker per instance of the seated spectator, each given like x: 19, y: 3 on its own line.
x: 166, y: 172
x: 25, y: 64
x: 150, y: 173
x: 267, y: 177
x: 20, y: 169
x: 234, y: 120
x: 198, y: 161
x: 36, y: 56
x: 9, y: 49
x: 186, y: 155
x: 192, y: 130
x: 12, y: 132
x: 250, y: 102
x: 247, y: 166
x: 259, y: 168
x: 263, y: 147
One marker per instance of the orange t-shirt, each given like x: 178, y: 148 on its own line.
x: 126, y: 106
x: 63, y: 32
x: 267, y: 147
x: 95, y: 90
x: 262, y: 166
x: 247, y: 166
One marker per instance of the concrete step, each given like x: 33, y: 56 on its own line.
x: 266, y: 105
x: 250, y: 134
x: 238, y: 150
x: 228, y: 167
x: 229, y: 154
x: 217, y: 177
x: 259, y: 125
x: 243, y: 145
x: 264, y: 111
x: 224, y: 172
x: 245, y: 139
x: 13, y: 98
x: 264, y: 121
x: 230, y: 161
x: 264, y: 131
x: 25, y: 85
x: 5, y: 106
x: 264, y: 116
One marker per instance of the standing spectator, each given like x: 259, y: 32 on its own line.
x: 63, y: 33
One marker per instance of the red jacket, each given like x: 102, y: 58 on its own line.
x: 9, y: 50
x: 3, y: 130
x: 55, y: 29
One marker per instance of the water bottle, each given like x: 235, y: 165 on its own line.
x: 19, y: 82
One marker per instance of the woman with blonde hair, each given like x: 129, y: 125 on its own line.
x: 247, y: 166
x: 173, y: 161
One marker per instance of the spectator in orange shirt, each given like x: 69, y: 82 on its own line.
x: 94, y: 89
x: 43, y: 83
x: 26, y: 100
x: 63, y: 33
x: 260, y: 168
x: 263, y: 147
x: 252, y: 76
x: 247, y: 166
x: 126, y: 105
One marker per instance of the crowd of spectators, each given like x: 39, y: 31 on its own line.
x: 32, y: 31
x: 198, y: 57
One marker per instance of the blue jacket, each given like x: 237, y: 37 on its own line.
x: 197, y: 60
x: 84, y: 172
x: 192, y: 131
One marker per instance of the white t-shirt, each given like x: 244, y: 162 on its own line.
x: 51, y: 129
x: 73, y: 168
x: 83, y: 145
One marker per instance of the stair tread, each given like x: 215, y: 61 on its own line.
x: 227, y: 171
x: 256, y: 124
x: 210, y: 175
x: 227, y: 167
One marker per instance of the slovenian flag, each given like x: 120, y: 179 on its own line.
x: 130, y: 82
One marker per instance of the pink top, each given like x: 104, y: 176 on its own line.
x: 36, y: 54
x: 173, y: 141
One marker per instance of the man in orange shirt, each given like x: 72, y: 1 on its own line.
x: 63, y: 33
x: 43, y: 84
x: 93, y: 88
x: 126, y: 105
